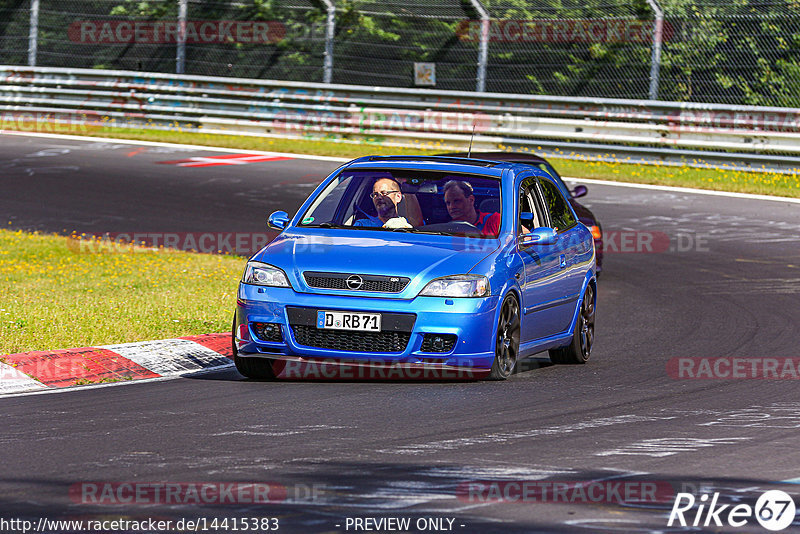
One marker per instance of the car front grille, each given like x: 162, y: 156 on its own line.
x: 343, y: 340
x: 370, y: 282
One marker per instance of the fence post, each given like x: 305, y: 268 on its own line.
x: 655, y: 60
x: 483, y: 52
x: 33, y: 34
x: 180, y: 53
x: 330, y: 27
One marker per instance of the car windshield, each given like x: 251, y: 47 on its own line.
x: 412, y: 201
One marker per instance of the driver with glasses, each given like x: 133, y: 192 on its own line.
x: 386, y: 196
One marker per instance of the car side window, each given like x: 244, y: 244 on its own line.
x: 561, y: 216
x: 527, y: 204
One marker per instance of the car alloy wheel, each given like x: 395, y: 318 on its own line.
x: 507, y: 341
x: 586, y: 319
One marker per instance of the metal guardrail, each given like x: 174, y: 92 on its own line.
x: 636, y: 130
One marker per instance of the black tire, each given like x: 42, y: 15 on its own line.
x: 579, y: 350
x: 506, y: 347
x: 258, y: 368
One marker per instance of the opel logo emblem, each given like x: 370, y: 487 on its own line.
x: 354, y: 281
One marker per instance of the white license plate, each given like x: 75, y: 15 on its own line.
x: 365, y: 322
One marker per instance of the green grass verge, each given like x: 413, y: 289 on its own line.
x: 782, y: 185
x: 274, y: 144
x: 55, y: 297
x: 786, y: 185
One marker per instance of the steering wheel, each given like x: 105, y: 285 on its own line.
x: 454, y: 227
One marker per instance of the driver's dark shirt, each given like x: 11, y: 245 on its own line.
x: 371, y: 222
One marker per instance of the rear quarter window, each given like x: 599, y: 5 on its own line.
x: 560, y: 214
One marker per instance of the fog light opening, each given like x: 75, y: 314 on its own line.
x: 438, y: 343
x: 270, y: 332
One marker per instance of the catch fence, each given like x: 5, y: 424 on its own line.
x: 742, y: 52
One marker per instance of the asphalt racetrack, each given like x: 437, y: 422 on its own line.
x: 722, y: 281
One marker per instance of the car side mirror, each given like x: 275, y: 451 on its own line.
x: 278, y: 220
x: 579, y: 191
x: 539, y: 236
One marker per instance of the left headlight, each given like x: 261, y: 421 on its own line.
x: 462, y: 285
x: 263, y: 274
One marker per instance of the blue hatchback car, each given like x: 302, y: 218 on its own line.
x: 425, y: 263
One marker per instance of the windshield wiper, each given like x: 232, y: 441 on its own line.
x: 430, y: 232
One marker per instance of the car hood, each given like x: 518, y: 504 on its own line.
x: 419, y: 257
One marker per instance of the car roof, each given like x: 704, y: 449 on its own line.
x: 502, y: 156
x: 435, y: 163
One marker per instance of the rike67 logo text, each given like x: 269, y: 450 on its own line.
x: 774, y: 510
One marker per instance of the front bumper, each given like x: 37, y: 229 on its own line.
x: 471, y: 320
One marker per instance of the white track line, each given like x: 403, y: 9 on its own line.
x: 72, y: 389
x: 686, y: 190
x: 173, y: 145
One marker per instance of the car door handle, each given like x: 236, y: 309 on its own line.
x: 563, y: 259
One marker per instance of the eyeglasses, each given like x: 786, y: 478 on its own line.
x: 382, y: 194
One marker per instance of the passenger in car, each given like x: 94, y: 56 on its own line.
x: 460, y: 202
x: 386, y: 196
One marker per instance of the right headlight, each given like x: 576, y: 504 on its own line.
x: 461, y: 285
x: 263, y: 274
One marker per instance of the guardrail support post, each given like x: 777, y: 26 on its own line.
x: 330, y: 28
x: 180, y: 53
x: 33, y: 34
x: 658, y: 36
x: 483, y: 51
